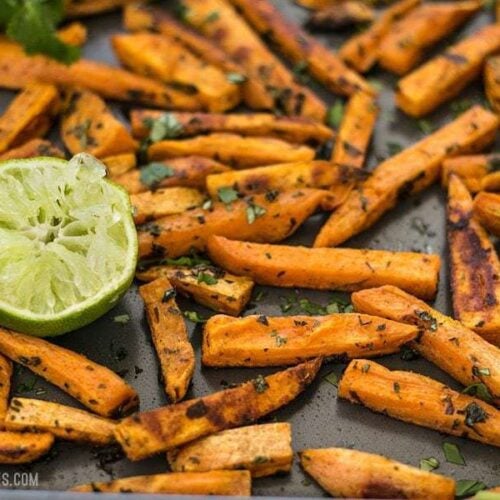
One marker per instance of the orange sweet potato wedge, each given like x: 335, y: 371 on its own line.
x: 487, y: 211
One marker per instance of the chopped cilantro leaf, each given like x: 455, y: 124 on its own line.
x: 479, y: 390
x: 152, y: 174
x: 194, y: 317
x: 332, y: 378
x: 227, y: 194
x: 123, y: 319
x: 206, y: 278
x: 236, y: 78
x: 452, y: 454
x: 335, y: 113
x: 428, y: 464
x: 166, y: 126
x: 254, y: 211
x: 468, y: 487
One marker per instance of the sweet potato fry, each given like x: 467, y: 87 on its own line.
x: 322, y: 63
x: 5, y: 381
x: 171, y: 426
x: 81, y: 8
x: 316, y: 4
x: 207, y: 285
x: 355, y: 132
x: 487, y: 211
x: 170, y: 337
x: 89, y: 126
x: 24, y: 447
x: 165, y: 59
x: 362, y: 51
x: 443, y: 77
x: 420, y: 400
x: 73, y: 34
x: 20, y: 70
x: 190, y: 171
x: 255, y: 218
x: 474, y: 267
x: 264, y: 450
x: 337, y: 179
x: 345, y: 269
x: 357, y: 474
x: 235, y: 150
x: 62, y: 421
x: 445, y: 342
x: 154, y: 205
x: 29, y: 115
x: 288, y: 340
x: 119, y: 164
x: 408, y: 40
x: 237, y: 483
x: 492, y: 81
x: 471, y: 169
x: 93, y: 385
x: 269, y: 85
x: 342, y: 15
x: 410, y: 171
x: 30, y: 149
x: 297, y: 129
x: 491, y: 182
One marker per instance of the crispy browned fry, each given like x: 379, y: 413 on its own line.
x: 257, y: 218
x: 317, y: 4
x: 474, y: 267
x: 362, y: 51
x: 207, y: 285
x: 152, y: 205
x: 357, y: 474
x: 342, y: 15
x: 89, y: 125
x: 410, y: 171
x: 236, y: 483
x: 297, y: 129
x: 269, y: 85
x: 471, y: 169
x: 5, y: 381
x: 356, y: 129
x: 487, y: 211
x: 171, y: 426
x: 62, y: 421
x: 235, y: 150
x: 443, y: 77
x: 190, y: 171
x: 167, y: 60
x: 447, y: 343
x: 264, y: 450
x: 73, y: 34
x: 29, y: 115
x: 420, y: 400
x: 95, y: 386
x: 322, y: 63
x: 491, y: 182
x: 23, y: 447
x: 80, y: 8
x: 118, y: 165
x: 170, y: 337
x: 337, y: 179
x: 408, y: 40
x: 30, y: 149
x: 345, y: 269
x: 109, y: 82
x: 288, y: 340
x: 492, y: 81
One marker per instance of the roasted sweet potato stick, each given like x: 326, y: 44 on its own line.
x: 93, y: 385
x: 154, y: 205
x: 447, y: 343
x: 408, y: 40
x: 119, y: 164
x: 167, y: 60
x: 492, y: 82
x: 29, y: 115
x: 491, y: 182
x: 322, y: 63
x: 236, y: 483
x: 30, y: 149
x: 443, y: 77
x: 235, y: 150
x: 355, y: 132
x: 357, y: 474
x: 410, y: 171
x: 344, y: 14
x: 5, y: 381
x: 207, y: 285
x: 256, y: 218
x: 288, y: 340
x: 345, y: 269
x: 80, y: 8
x: 62, y: 421
x: 362, y: 51
x: 73, y: 34
x: 171, y: 426
x: 170, y: 337
x: 190, y: 171
x: 420, y: 400
x: 88, y: 125
x: 24, y: 447
x: 297, y: 129
x: 264, y: 450
x: 471, y: 169
x: 316, y: 4
x: 269, y: 85
x: 474, y: 267
x: 487, y: 211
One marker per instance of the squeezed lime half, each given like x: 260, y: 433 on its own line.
x: 68, y: 244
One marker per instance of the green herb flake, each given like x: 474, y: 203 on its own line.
x: 152, y: 174
x: 365, y: 368
x: 468, y: 487
x: 453, y: 454
x: 236, y: 78
x: 166, y: 126
x: 479, y: 390
x: 212, y: 17
x: 425, y: 126
x: 194, y: 317
x: 393, y: 148
x: 332, y: 378
x: 227, y: 194
x: 429, y: 464
x: 474, y: 414
x: 122, y: 319
x: 254, y: 212
x: 280, y: 341
x: 485, y: 372
x: 335, y: 114
x: 206, y: 278
x: 260, y: 384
